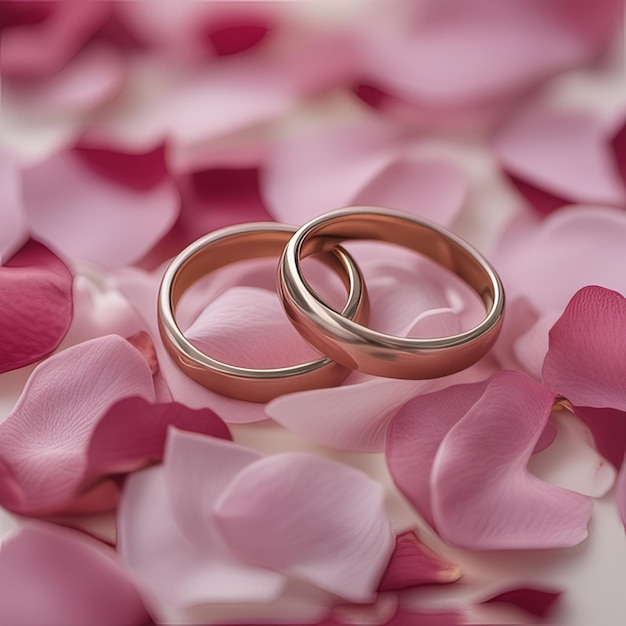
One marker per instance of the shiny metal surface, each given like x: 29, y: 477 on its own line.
x: 235, y: 243
x: 358, y: 347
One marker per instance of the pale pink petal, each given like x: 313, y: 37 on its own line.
x: 539, y: 602
x: 448, y: 55
x: 413, y: 563
x: 36, y: 310
x: 45, y: 439
x: 88, y: 217
x: 549, y: 262
x: 566, y: 153
x: 132, y: 434
x: 173, y: 571
x: 319, y: 520
x: 349, y: 417
x: 51, y: 576
x: 585, y: 362
x: 620, y: 490
x: 489, y: 499
x: 141, y: 288
x: 531, y: 347
x: 415, y: 434
x: 14, y: 231
x: 247, y: 327
x: 143, y: 342
x: 434, y: 189
x: 37, y: 50
x: 94, y: 77
x: 307, y: 175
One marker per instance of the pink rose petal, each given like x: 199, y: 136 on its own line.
x: 413, y: 563
x: 91, y: 79
x: 333, y: 533
x: 585, y: 361
x: 51, y: 576
x: 132, y: 433
x: 491, y: 500
x: 36, y: 289
x: 110, y: 225
x: 564, y: 153
x: 247, y: 327
x: 446, y: 56
x: 143, y: 342
x: 608, y: 427
x: 547, y: 263
x: 139, y: 171
x: 14, y: 231
x: 167, y: 534
x: 618, y: 144
x: 539, y: 602
x: 487, y: 500
x: 37, y: 50
x: 44, y: 440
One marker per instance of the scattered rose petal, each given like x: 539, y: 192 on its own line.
x: 51, y: 576
x: 487, y: 500
x: 132, y: 434
x: 36, y: 289
x: 247, y: 327
x: 413, y: 563
x: 359, y: 164
x: 539, y: 602
x: 14, y: 231
x: 110, y: 225
x: 37, y: 50
x: 91, y: 79
x: 44, y: 440
x: 564, y: 153
x: 608, y: 427
x: 585, y: 361
x: 334, y: 533
x: 143, y: 342
x: 548, y: 262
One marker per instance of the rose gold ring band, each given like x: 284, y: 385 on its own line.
x: 360, y: 348
x: 220, y: 248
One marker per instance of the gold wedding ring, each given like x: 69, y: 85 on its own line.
x: 220, y: 248
x: 360, y: 348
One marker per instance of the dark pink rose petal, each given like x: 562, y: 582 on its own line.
x: 241, y: 35
x: 44, y: 441
x: 405, y: 616
x: 566, y: 154
x: 14, y: 231
x: 133, y: 431
x: 51, y: 576
x: 618, y: 144
x: 620, y: 490
x: 37, y: 50
x: 413, y: 563
x: 491, y: 500
x: 139, y: 171
x: 585, y: 361
x: 539, y: 602
x: 486, y: 499
x: 334, y: 532
x: 608, y: 427
x: 111, y: 224
x: 36, y: 310
x: 415, y: 434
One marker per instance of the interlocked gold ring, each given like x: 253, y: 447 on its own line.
x: 360, y: 348
x: 225, y: 246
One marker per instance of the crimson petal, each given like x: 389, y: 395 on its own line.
x: 36, y: 310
